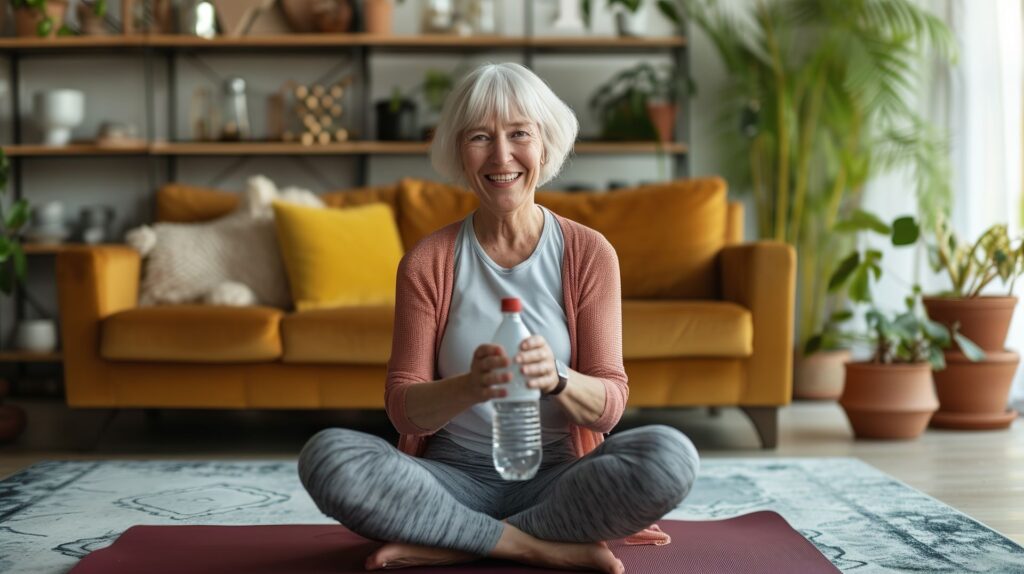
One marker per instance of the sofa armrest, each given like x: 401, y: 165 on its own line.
x: 761, y: 276
x: 93, y: 283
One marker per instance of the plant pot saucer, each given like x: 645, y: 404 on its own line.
x: 973, y: 421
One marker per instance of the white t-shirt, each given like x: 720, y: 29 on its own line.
x: 475, y: 312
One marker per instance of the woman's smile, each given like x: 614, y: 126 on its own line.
x: 503, y: 179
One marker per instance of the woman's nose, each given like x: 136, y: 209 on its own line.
x: 500, y: 151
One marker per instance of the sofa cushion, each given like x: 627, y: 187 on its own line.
x: 192, y: 334
x: 426, y: 206
x: 339, y: 257
x: 669, y: 329
x: 387, y: 194
x: 668, y: 236
x: 182, y: 203
x: 353, y: 335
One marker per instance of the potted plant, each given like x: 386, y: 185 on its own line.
x: 891, y: 395
x: 12, y: 270
x: 640, y: 104
x: 812, y: 111
x: 43, y: 18
x: 92, y: 16
x: 974, y: 395
x: 396, y: 118
x: 436, y: 86
x: 378, y: 16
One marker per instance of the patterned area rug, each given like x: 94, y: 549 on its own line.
x: 863, y: 520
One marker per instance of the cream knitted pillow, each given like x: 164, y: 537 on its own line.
x: 233, y: 260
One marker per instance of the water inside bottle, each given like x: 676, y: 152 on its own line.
x: 517, y: 439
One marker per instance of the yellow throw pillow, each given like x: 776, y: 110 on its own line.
x: 339, y: 257
x: 667, y: 236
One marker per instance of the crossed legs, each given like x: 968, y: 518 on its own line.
x: 382, y: 494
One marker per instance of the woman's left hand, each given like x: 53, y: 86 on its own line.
x: 537, y: 363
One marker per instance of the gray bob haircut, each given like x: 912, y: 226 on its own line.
x: 503, y: 91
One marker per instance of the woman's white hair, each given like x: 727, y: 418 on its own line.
x: 503, y: 91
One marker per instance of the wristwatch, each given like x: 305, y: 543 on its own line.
x: 563, y: 377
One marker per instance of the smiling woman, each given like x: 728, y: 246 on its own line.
x: 438, y: 499
x: 506, y: 94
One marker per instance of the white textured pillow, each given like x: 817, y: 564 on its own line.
x: 192, y: 262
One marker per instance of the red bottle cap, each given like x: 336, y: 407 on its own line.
x: 511, y: 305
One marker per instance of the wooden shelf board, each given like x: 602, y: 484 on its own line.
x: 111, y: 41
x: 380, y: 148
x: 675, y: 148
x: 26, y: 150
x: 282, y: 148
x: 43, y: 249
x: 28, y: 357
x: 342, y: 40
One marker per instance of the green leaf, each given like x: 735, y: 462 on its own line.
x: 860, y: 291
x: 813, y: 345
x: 972, y: 351
x: 862, y: 221
x: 668, y: 10
x: 841, y: 316
x: 843, y: 271
x: 905, y: 231
x: 44, y: 27
x: 936, y: 332
x: 906, y: 326
x: 936, y: 358
x: 18, y: 215
x: 20, y: 264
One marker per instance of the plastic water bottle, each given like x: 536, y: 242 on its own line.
x: 516, y: 432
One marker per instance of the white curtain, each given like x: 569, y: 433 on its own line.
x: 987, y: 130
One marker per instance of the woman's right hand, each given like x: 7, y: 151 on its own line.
x: 485, y: 380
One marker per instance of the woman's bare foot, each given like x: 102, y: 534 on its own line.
x: 395, y: 555
x: 521, y: 547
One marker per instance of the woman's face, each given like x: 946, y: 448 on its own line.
x: 501, y: 161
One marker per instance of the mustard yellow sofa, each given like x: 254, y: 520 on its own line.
x: 707, y: 319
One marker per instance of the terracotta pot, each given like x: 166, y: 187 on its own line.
x: 26, y: 20
x: 663, y: 116
x: 984, y: 320
x: 974, y: 395
x: 888, y: 401
x: 819, y: 376
x: 89, y: 22
x: 377, y: 15
x: 12, y: 422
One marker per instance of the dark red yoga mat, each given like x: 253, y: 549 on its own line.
x: 761, y: 542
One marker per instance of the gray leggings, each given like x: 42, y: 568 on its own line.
x: 453, y: 498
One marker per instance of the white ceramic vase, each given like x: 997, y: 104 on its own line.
x: 58, y: 112
x: 36, y: 335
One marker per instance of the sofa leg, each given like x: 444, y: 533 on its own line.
x: 766, y: 423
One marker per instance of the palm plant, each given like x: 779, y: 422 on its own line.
x: 820, y: 92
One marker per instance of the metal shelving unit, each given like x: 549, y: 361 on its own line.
x: 360, y: 47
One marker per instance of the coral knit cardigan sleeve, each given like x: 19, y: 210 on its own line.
x: 593, y: 307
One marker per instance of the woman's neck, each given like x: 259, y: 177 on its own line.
x: 517, y: 230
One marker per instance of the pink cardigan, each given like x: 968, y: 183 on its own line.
x: 593, y: 306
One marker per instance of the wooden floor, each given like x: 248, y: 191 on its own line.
x: 979, y: 473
